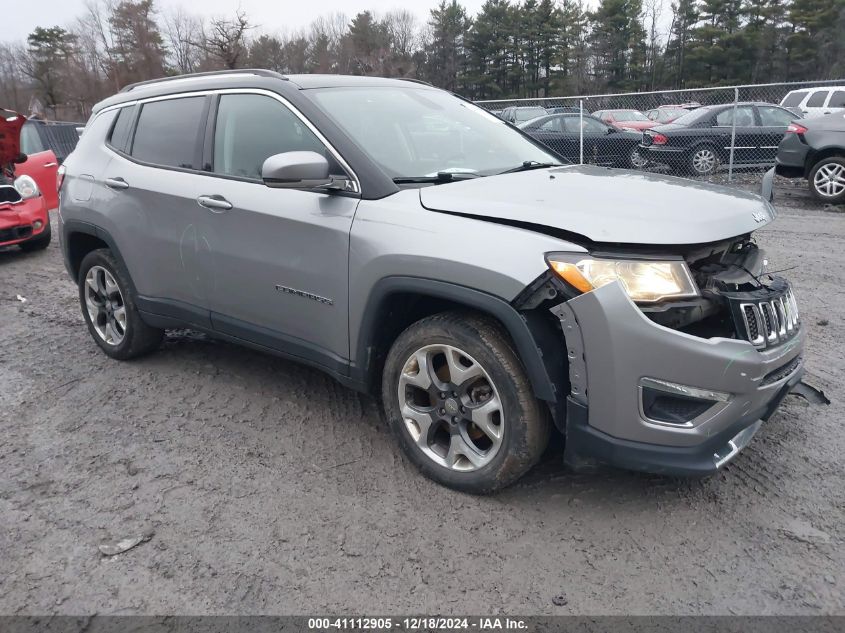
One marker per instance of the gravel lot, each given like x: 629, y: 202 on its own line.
x: 268, y: 488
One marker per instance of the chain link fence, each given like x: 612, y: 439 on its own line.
x: 726, y: 134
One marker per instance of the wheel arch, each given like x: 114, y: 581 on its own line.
x: 79, y: 239
x: 397, y: 302
x: 816, y: 156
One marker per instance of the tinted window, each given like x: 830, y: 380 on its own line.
x: 774, y: 117
x: 168, y: 132
x: 817, y: 99
x: 526, y: 114
x: 120, y: 132
x: 837, y: 99
x: 30, y: 140
x: 695, y: 116
x: 744, y: 116
x: 794, y: 98
x: 590, y: 125
x: 251, y: 128
x: 552, y: 125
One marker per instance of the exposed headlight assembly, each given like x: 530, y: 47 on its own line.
x: 645, y: 281
x: 26, y: 187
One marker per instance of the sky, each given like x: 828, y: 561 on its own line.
x: 269, y: 15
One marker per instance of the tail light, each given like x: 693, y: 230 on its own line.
x: 60, y: 178
x: 658, y: 139
x: 795, y: 128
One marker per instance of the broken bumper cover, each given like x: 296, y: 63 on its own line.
x: 613, y: 348
x: 23, y: 220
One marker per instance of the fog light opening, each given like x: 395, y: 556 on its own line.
x: 37, y: 224
x: 673, y: 404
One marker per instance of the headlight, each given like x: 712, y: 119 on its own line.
x: 26, y: 187
x: 644, y: 281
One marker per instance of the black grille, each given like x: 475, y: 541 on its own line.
x: 15, y: 233
x: 781, y: 372
x: 767, y: 316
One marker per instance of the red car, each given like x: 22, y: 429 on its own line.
x: 24, y: 216
x: 626, y: 119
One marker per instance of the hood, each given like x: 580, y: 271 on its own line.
x: 10, y: 136
x: 607, y: 205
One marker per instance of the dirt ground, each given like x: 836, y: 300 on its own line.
x: 268, y: 488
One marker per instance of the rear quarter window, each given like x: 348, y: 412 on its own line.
x: 817, y: 99
x: 119, y: 136
x: 168, y: 133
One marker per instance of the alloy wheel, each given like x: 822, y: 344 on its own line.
x: 829, y: 180
x: 105, y: 305
x: 637, y: 159
x: 704, y: 161
x: 451, y: 407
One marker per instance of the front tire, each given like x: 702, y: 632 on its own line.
x: 459, y: 402
x: 827, y: 180
x: 109, y: 309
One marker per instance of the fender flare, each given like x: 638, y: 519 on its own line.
x: 530, y: 354
x: 69, y: 227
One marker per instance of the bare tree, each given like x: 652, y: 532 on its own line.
x: 226, y: 40
x: 182, y: 30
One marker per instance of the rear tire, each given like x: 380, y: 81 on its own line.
x: 703, y: 161
x: 39, y: 242
x: 489, y: 429
x: 108, y: 307
x: 827, y: 180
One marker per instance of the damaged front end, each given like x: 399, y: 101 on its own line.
x: 676, y: 384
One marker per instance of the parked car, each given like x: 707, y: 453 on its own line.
x: 816, y: 102
x: 666, y: 114
x: 485, y: 291
x: 24, y: 217
x: 699, y: 141
x: 815, y: 149
x: 566, y: 110
x: 520, y: 114
x: 603, y: 144
x: 625, y: 119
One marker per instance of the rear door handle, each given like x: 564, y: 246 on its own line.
x: 117, y: 183
x: 50, y: 164
x: 215, y: 203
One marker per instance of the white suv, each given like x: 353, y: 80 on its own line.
x: 815, y: 102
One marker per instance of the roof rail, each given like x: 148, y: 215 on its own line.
x: 416, y: 81
x: 261, y: 72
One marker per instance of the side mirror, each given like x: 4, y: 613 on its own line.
x: 296, y: 170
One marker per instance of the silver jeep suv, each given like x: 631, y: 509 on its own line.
x: 412, y: 245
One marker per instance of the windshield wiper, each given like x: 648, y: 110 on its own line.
x: 528, y: 165
x: 441, y: 176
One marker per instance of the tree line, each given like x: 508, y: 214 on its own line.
x: 510, y: 48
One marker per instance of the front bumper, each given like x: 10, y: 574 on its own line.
x: 612, y: 346
x: 23, y: 220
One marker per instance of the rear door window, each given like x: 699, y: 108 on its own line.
x: 169, y: 133
x: 771, y: 116
x: 817, y: 99
x: 744, y: 117
x: 794, y: 98
x: 250, y: 128
x: 837, y: 99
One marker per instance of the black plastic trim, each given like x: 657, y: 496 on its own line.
x: 583, y: 440
x: 516, y: 325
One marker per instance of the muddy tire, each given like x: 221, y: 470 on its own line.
x: 460, y: 404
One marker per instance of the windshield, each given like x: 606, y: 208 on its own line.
x: 629, y: 115
x: 413, y: 132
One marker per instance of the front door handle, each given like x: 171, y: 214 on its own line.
x: 50, y: 164
x: 117, y: 183
x: 215, y: 203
